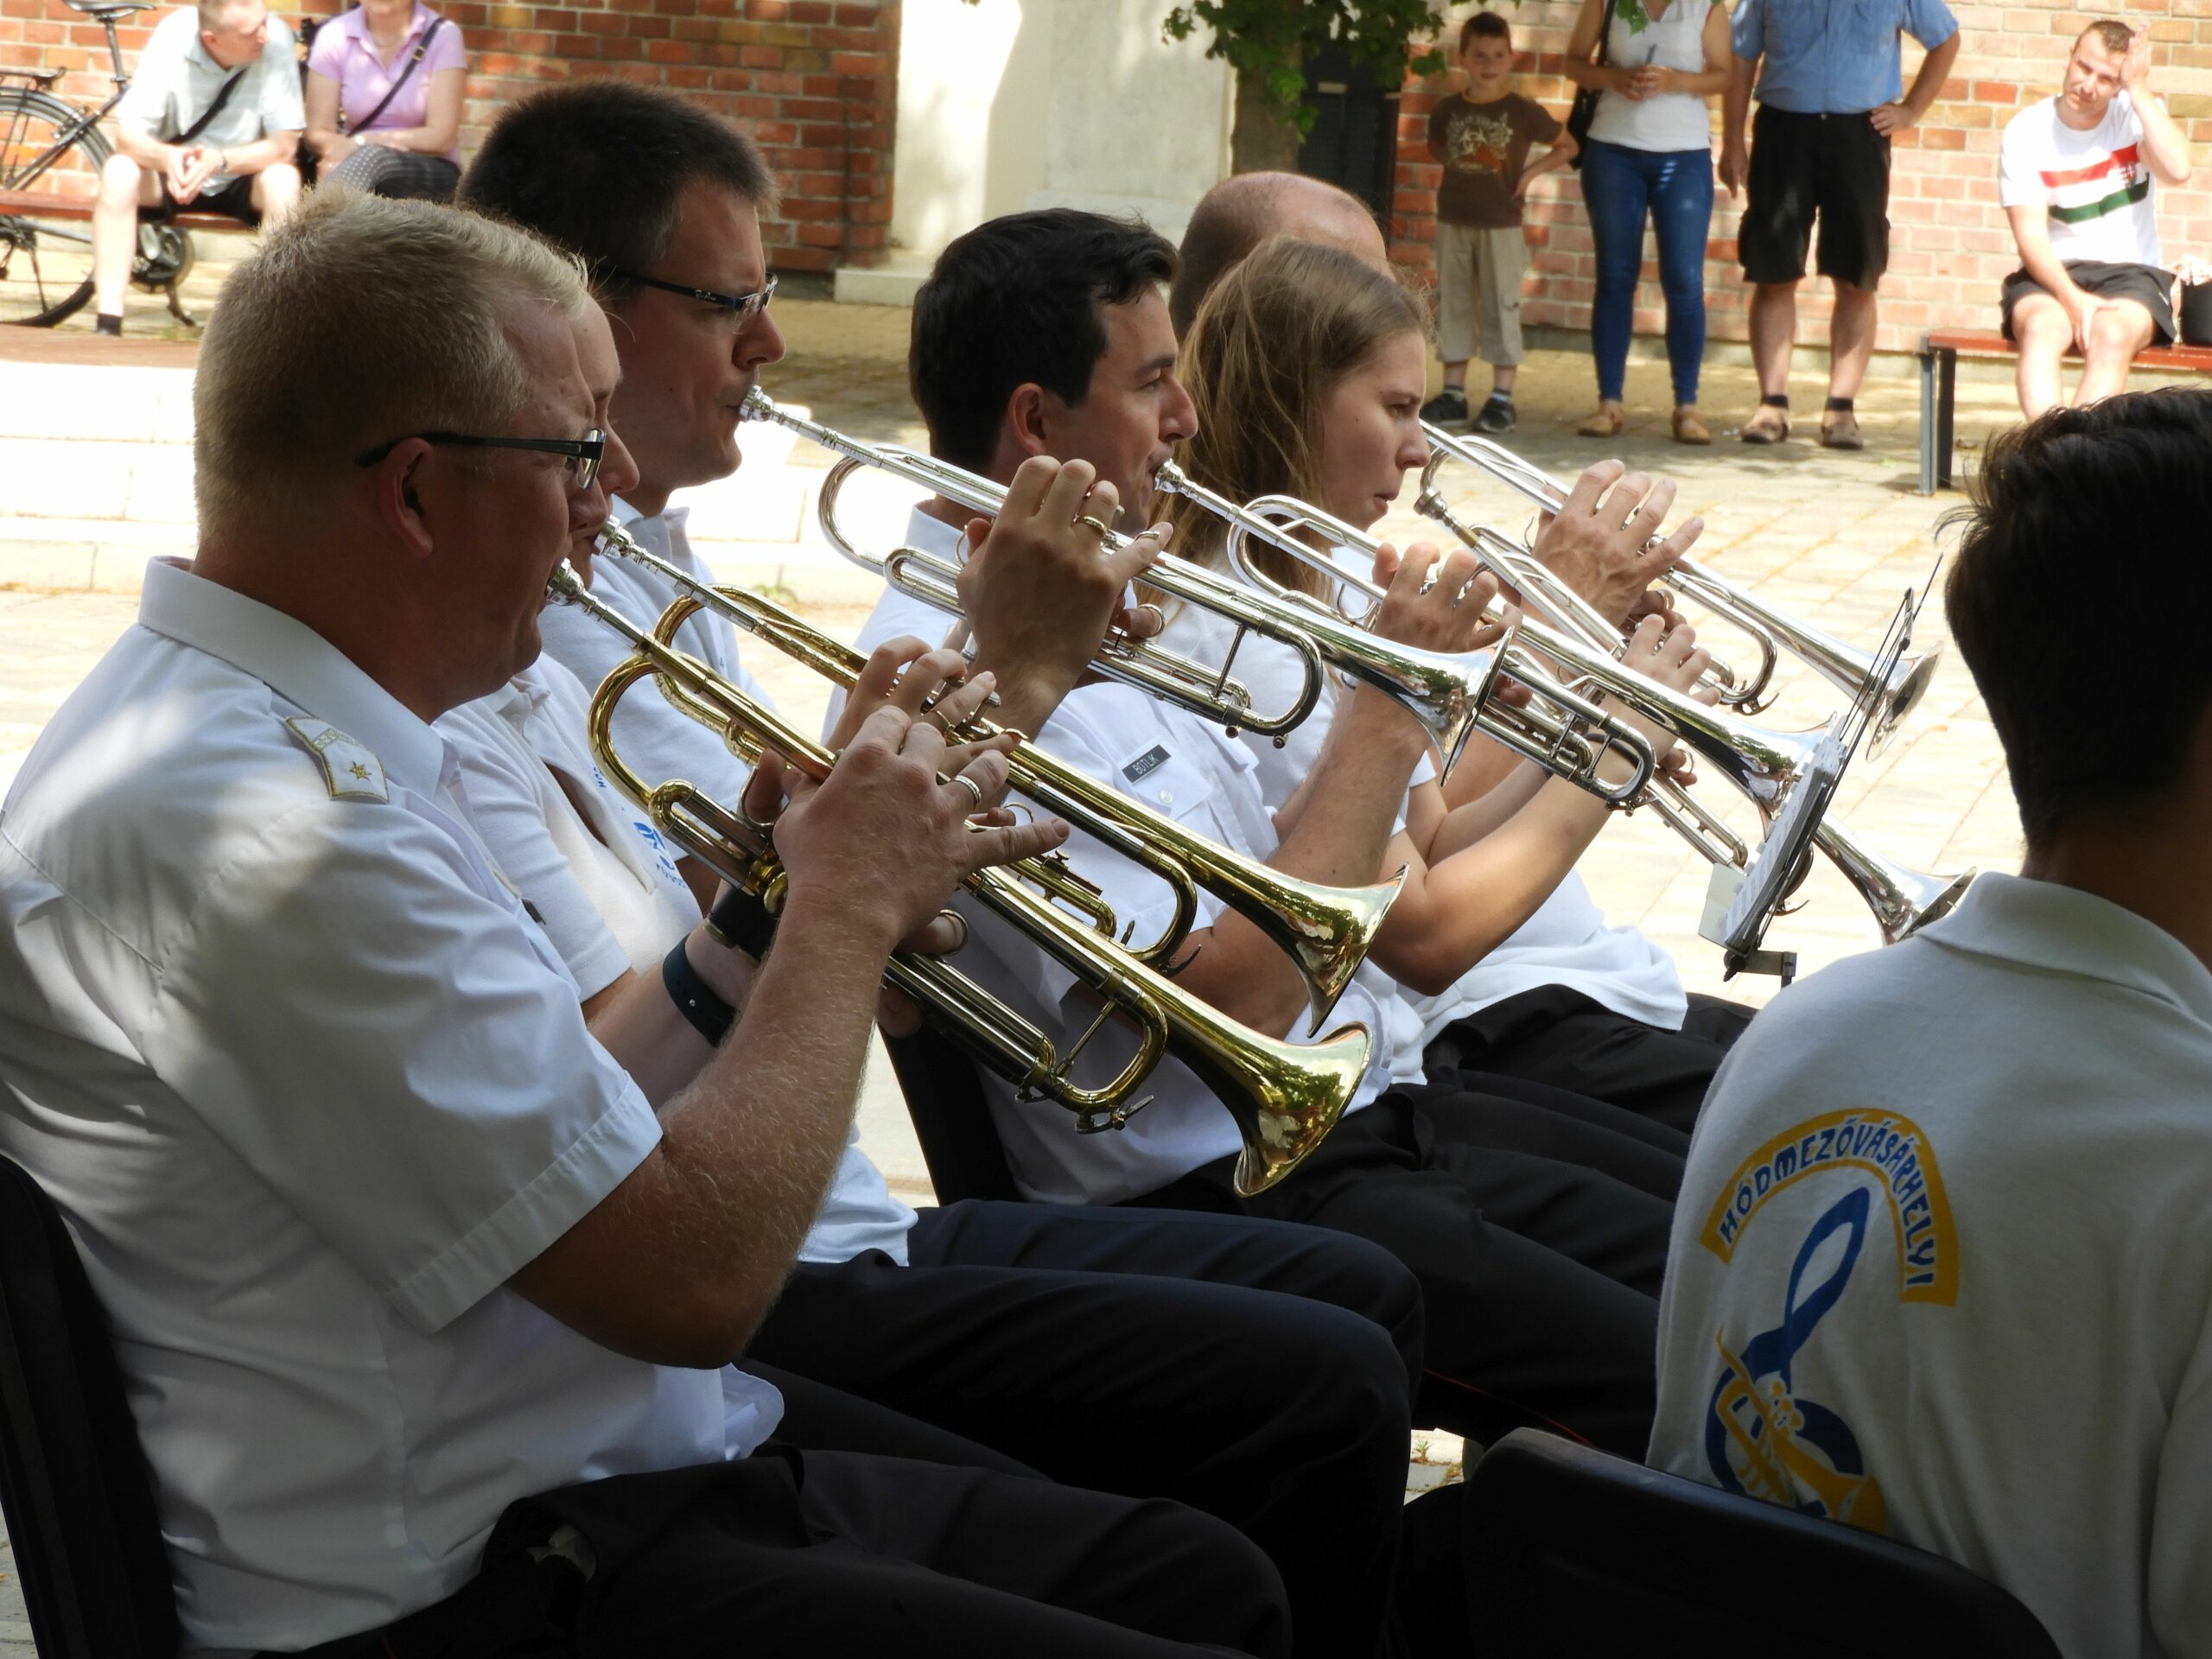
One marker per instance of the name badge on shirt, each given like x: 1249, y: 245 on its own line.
x: 351, y: 769
x: 1145, y: 764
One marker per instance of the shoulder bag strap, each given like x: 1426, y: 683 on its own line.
x: 413, y: 58
x: 222, y: 97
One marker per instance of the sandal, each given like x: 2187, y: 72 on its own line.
x: 1689, y: 427
x: 1605, y: 422
x: 1769, y: 424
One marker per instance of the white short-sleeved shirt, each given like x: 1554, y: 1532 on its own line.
x: 1567, y: 942
x: 1942, y: 1261
x: 658, y: 742
x: 608, y: 893
x: 175, y: 82
x: 310, y: 1089
x: 2095, y: 187
x: 587, y: 863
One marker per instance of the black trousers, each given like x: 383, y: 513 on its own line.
x: 807, y: 1555
x: 1561, y: 1038
x: 1258, y: 1371
x: 1537, y: 1242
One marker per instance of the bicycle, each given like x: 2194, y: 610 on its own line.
x: 51, y: 154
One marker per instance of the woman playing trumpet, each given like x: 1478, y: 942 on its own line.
x: 1306, y: 367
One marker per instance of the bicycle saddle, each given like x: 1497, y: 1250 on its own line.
x: 104, y: 9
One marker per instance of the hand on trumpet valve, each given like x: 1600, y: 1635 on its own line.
x: 907, y: 674
x: 1672, y: 657
x: 1436, y: 602
x: 1602, y: 542
x: 1043, y: 585
x: 894, y: 828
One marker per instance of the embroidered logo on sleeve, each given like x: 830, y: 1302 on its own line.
x: 352, y: 771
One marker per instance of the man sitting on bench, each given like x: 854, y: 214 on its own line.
x: 211, y: 121
x: 2075, y: 174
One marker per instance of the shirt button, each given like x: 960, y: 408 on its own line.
x: 1166, y: 799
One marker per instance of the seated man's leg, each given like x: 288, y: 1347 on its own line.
x: 1518, y: 1332
x: 879, y: 1555
x: 276, y: 192
x: 1281, y: 1413
x: 126, y: 187
x: 818, y: 1418
x: 2117, y: 332
x: 2043, y: 331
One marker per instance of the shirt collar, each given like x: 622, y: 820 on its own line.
x: 355, y: 22
x: 927, y: 533
x: 296, y: 662
x: 2058, y: 928
x: 659, y: 532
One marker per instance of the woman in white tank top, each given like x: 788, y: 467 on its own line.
x: 1649, y: 156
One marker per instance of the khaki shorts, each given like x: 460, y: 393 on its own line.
x: 1478, y: 272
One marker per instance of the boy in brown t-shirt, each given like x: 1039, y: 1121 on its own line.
x: 1482, y: 136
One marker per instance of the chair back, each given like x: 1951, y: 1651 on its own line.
x: 1578, y: 1551
x: 74, y: 1480
x: 952, y: 1118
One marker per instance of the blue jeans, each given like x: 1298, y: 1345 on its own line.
x: 1619, y: 186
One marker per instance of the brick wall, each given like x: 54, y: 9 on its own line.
x: 1950, y: 246
x: 815, y: 81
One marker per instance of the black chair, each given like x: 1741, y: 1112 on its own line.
x: 1573, y: 1550
x: 74, y: 1480
x: 952, y: 1118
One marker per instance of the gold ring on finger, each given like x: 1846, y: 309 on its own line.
x: 1093, y: 520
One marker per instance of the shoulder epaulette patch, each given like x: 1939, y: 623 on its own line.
x: 352, y: 771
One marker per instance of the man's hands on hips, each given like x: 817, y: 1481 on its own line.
x: 1041, y: 587
x: 1603, y: 541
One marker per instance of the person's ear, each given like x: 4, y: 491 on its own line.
x: 1028, y: 413
x: 400, y: 482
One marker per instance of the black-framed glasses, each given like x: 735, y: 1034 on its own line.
x: 584, y: 454
x: 741, y: 308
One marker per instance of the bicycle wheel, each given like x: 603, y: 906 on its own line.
x: 46, y: 259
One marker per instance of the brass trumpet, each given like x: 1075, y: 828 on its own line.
x: 1324, y: 930
x: 1764, y: 765
x: 1845, y: 667
x: 1285, y: 1096
x: 1439, y: 691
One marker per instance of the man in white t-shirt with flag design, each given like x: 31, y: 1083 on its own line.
x: 2075, y: 177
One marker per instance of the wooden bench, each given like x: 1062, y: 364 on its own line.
x: 38, y: 204
x: 1939, y: 351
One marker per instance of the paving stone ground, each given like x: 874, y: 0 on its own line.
x: 1831, y: 538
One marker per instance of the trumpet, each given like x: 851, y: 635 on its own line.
x: 1849, y: 670
x: 1764, y: 765
x: 1324, y: 930
x: 1574, y: 744
x: 1285, y: 1096
x: 1439, y: 691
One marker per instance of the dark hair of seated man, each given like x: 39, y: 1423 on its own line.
x: 1015, y: 301
x: 2080, y: 557
x: 601, y: 166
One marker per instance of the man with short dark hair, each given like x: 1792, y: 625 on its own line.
x: 1939, y: 1267
x: 1006, y: 1323
x: 1831, y: 92
x: 211, y: 122
x: 2075, y: 179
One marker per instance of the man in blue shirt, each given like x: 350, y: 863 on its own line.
x: 1830, y: 100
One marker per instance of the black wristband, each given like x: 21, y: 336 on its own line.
x: 694, y: 999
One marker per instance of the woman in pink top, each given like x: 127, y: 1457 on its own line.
x: 385, y: 85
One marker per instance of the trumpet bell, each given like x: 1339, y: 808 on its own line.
x: 1911, y: 684
x: 1289, y: 1098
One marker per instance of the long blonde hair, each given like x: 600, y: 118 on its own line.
x: 1275, y: 336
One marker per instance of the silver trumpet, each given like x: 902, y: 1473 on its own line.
x: 1764, y: 765
x: 1324, y: 930
x: 1844, y: 666
x: 1440, y: 690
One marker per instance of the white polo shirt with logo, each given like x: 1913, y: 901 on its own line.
x: 1941, y: 1265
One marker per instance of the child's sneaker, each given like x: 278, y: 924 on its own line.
x: 1448, y: 408
x: 1497, y: 414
